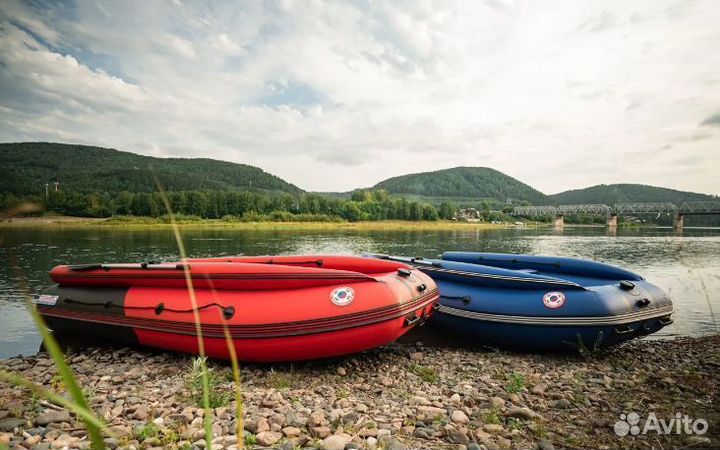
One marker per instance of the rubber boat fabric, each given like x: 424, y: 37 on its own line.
x: 542, y: 302
x: 274, y: 308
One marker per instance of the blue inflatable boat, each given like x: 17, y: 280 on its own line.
x: 541, y: 302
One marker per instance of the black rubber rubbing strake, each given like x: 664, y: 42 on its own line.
x: 89, y: 300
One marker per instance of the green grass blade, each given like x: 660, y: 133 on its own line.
x: 239, y: 405
x: 207, y: 418
x: 61, y: 365
x: 85, y: 414
x: 65, y: 372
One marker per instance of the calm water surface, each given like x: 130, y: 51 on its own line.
x: 687, y: 265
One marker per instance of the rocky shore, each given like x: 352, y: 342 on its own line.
x: 407, y: 395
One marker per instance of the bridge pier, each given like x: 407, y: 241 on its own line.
x: 678, y: 221
x: 612, y: 221
x: 559, y: 221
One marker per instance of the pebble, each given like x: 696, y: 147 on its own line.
x: 268, y: 438
x: 424, y: 433
x: 317, y: 418
x: 497, y: 402
x: 52, y: 416
x: 336, y: 441
x: 456, y: 436
x: 11, y: 423
x: 460, y: 417
x: 377, y: 400
x: 545, y: 444
x: 321, y: 432
x: 521, y: 413
x: 493, y: 428
x: 292, y: 432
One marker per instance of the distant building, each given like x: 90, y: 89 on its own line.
x: 468, y: 215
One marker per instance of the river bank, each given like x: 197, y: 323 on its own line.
x: 407, y: 395
x: 161, y: 223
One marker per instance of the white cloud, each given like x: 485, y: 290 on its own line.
x: 560, y: 96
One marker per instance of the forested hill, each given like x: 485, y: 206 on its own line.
x: 26, y: 167
x: 476, y: 182
x: 626, y: 193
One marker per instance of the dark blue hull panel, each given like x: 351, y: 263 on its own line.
x: 541, y: 302
x: 547, y: 338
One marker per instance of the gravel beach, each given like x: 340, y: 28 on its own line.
x: 407, y: 395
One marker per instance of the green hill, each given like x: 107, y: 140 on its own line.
x: 610, y: 194
x: 26, y: 167
x: 464, y: 184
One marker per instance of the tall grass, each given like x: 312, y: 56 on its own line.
x: 202, y: 360
x: 79, y: 405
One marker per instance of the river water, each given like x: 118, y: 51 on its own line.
x: 687, y: 265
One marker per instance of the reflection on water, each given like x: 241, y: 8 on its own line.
x: 687, y: 265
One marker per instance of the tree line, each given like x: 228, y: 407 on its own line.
x: 363, y: 205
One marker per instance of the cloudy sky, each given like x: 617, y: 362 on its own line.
x: 338, y: 95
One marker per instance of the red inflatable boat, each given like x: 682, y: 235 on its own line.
x: 283, y: 308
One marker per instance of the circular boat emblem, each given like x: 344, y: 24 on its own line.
x: 554, y: 300
x: 342, y: 296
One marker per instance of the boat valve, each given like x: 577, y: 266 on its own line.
x: 422, y: 287
x: 228, y: 312
x: 643, y: 302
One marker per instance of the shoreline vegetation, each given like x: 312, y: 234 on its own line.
x: 120, y: 222
x: 302, y: 223
x: 410, y: 394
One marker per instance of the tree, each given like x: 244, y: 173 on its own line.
x: 447, y: 210
x: 429, y: 212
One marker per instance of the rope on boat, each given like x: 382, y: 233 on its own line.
x: 228, y: 311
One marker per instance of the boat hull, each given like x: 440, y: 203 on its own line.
x: 295, y: 318
x: 543, y: 303
x: 548, y: 337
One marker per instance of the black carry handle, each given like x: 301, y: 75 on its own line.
x: 412, y: 320
x: 464, y: 298
x: 627, y: 330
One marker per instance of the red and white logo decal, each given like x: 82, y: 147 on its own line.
x: 554, y: 300
x: 46, y: 299
x: 342, y: 296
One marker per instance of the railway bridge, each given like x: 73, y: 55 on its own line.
x: 679, y: 211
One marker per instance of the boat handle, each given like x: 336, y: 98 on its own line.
x: 412, y: 320
x: 664, y: 321
x: 464, y: 298
x: 625, y: 331
x: 435, y: 306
